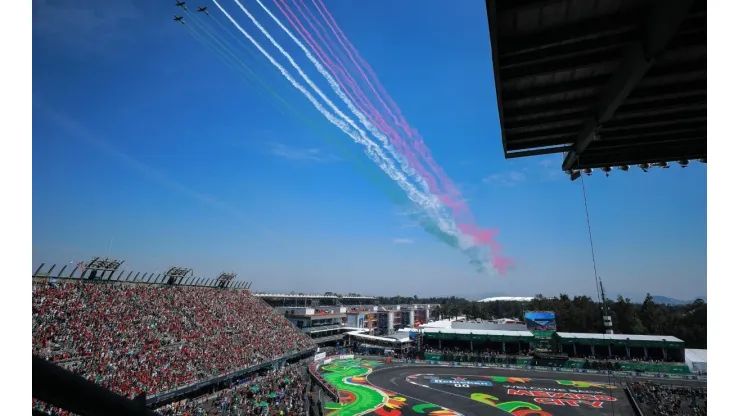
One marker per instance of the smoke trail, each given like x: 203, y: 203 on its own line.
x: 393, y: 193
x: 335, y: 87
x: 365, y: 107
x: 408, y: 154
x: 452, y: 197
x: 465, y: 243
x: 428, y: 201
x: 372, y: 149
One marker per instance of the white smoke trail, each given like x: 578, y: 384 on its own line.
x: 434, y: 207
x: 337, y: 89
x: 372, y: 150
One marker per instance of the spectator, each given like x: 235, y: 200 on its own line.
x: 669, y: 400
x: 135, y: 338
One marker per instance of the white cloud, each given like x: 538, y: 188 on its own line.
x: 510, y: 178
x: 402, y: 241
x: 305, y: 154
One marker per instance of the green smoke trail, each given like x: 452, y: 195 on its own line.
x: 349, y: 153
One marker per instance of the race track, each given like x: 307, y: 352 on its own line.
x: 417, y: 389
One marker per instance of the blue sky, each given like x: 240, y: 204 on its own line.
x: 144, y: 138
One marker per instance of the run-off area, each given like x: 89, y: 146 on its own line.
x: 528, y: 396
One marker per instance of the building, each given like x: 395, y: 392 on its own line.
x: 323, y: 317
x: 391, y: 318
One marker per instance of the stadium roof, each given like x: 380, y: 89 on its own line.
x: 508, y: 299
x: 307, y: 296
x: 609, y: 82
x: 500, y: 333
x: 619, y: 337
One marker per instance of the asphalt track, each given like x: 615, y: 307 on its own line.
x: 434, y: 384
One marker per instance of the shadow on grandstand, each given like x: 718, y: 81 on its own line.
x: 64, y: 389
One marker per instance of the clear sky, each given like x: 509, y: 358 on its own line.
x: 154, y: 143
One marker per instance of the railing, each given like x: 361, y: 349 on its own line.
x: 159, y: 397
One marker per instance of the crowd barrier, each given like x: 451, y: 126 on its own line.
x: 555, y: 369
x: 205, y: 383
x: 314, y: 373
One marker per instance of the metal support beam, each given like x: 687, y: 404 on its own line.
x: 662, y: 22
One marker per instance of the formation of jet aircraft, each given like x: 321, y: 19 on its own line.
x: 181, y: 4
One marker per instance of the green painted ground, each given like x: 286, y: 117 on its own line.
x: 367, y: 398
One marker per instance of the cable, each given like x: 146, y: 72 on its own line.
x: 596, y: 277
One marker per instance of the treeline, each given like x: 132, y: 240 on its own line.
x: 582, y: 314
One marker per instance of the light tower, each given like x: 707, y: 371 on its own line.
x: 605, y: 310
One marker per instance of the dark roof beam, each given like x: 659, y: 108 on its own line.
x: 630, y: 132
x: 607, y: 146
x: 666, y: 103
x: 545, y: 123
x: 524, y: 136
x: 662, y: 122
x: 571, y: 50
x: 671, y: 114
x: 590, y: 29
x: 538, y: 152
x: 560, y: 63
x: 663, y: 20
x: 563, y: 107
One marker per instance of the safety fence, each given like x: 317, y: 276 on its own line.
x: 313, y: 370
x: 555, y: 369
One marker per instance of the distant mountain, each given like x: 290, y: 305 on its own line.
x: 671, y: 301
x: 665, y: 300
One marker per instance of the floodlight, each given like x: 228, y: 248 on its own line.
x: 624, y: 167
x: 683, y: 163
x: 606, y: 170
x: 644, y: 167
x: 702, y: 160
x: 588, y: 171
x: 663, y: 165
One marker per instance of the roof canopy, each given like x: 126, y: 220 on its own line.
x: 475, y: 334
x: 620, y: 339
x: 608, y: 83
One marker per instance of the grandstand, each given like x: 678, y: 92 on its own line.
x: 164, y: 339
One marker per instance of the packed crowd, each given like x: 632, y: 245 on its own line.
x: 149, y: 339
x: 281, y: 392
x: 668, y: 400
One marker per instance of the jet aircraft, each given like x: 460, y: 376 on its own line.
x: 179, y: 19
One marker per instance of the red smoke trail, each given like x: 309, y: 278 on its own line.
x: 451, y: 192
x: 451, y: 197
x: 340, y: 72
x: 352, y: 53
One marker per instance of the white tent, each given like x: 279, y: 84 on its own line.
x: 696, y: 360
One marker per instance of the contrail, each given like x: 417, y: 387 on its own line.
x: 451, y: 197
x: 360, y: 100
x: 378, y: 119
x: 372, y: 149
x: 437, y: 210
x: 335, y: 87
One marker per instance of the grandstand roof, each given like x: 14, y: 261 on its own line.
x: 609, y: 82
x: 619, y: 337
x: 307, y: 296
x: 375, y: 338
x: 487, y: 332
x: 293, y: 296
